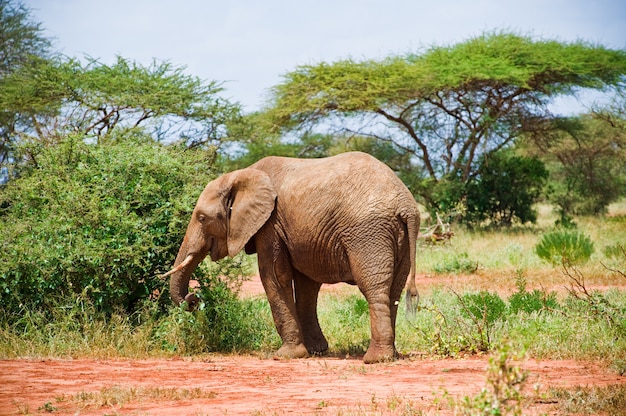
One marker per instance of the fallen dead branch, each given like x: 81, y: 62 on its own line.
x: 440, y: 232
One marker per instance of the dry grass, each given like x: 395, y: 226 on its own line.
x: 494, y: 259
x: 609, y: 400
x: 119, y: 396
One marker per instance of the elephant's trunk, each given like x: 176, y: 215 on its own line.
x: 184, y: 266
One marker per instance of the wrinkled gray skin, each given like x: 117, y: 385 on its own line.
x: 346, y: 218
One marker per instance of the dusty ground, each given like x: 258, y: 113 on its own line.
x: 237, y: 385
x: 252, y: 385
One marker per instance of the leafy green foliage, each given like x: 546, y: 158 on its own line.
x: 230, y: 324
x: 103, y: 221
x: 456, y: 263
x: 103, y: 103
x: 353, y: 309
x: 587, y: 160
x: 503, y: 393
x: 505, y: 189
x: 345, y: 321
x: 21, y: 42
x: 529, y: 302
x: 20, y: 37
x: 223, y: 323
x: 563, y: 247
x: 95, y: 98
x: 473, y: 323
x: 484, y: 305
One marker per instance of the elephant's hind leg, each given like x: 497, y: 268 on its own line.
x: 382, y: 344
x: 375, y: 278
x: 307, y: 292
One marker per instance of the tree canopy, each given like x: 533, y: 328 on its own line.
x: 60, y: 96
x: 20, y: 37
x: 447, y: 106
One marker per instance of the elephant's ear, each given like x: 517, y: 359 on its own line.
x: 252, y: 201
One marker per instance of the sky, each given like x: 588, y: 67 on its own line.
x: 249, y: 45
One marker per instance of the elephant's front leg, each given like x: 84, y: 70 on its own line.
x: 307, y: 291
x: 277, y: 278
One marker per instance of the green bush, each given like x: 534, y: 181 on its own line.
x: 616, y: 252
x: 563, y: 247
x: 103, y: 221
x: 230, y: 324
x: 505, y: 189
x: 484, y: 306
x: 456, y: 263
x: 223, y: 323
x: 530, y: 302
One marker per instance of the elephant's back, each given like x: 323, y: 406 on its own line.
x: 346, y: 174
x: 350, y: 190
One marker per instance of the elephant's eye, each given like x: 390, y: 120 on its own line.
x: 201, y: 218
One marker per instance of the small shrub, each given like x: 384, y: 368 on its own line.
x: 486, y: 306
x: 617, y: 254
x: 222, y: 321
x: 505, y: 189
x: 460, y: 263
x: 566, y: 248
x: 464, y: 326
x: 484, y: 309
x: 529, y: 302
x: 503, y: 393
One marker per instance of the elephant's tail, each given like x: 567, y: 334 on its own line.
x: 412, y: 295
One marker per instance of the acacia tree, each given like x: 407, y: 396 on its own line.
x: 57, y: 97
x: 447, y: 106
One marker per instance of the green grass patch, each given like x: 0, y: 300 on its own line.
x: 447, y: 324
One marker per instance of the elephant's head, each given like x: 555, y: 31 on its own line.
x: 230, y: 210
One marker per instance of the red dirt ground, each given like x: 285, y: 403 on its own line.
x: 253, y: 385
x: 245, y: 385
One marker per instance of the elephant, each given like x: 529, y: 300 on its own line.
x: 345, y: 218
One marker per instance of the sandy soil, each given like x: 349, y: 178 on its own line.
x: 254, y: 385
x: 245, y: 385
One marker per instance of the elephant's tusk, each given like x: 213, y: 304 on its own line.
x: 180, y: 266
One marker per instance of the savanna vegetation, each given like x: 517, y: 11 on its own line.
x: 100, y: 166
